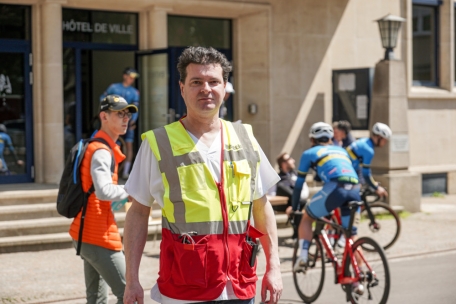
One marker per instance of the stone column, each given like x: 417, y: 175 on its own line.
x: 158, y: 27
x: 390, y: 165
x: 52, y: 91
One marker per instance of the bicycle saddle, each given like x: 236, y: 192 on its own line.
x: 354, y: 204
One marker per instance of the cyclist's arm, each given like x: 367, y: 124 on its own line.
x: 366, y: 170
x: 303, y: 168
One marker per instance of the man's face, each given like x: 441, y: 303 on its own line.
x: 128, y: 80
x: 289, y: 163
x: 339, y: 135
x: 381, y: 141
x: 203, y: 90
x: 116, y: 121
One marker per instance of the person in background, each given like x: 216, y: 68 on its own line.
x: 285, y: 186
x: 342, y: 134
x: 228, y: 91
x: 362, y: 153
x: 126, y: 90
x: 101, y: 249
x: 5, y: 141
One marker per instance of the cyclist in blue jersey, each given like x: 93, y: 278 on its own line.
x: 362, y: 152
x: 5, y: 140
x: 131, y: 95
x: 332, y: 164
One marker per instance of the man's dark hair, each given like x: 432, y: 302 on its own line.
x: 281, y: 159
x: 204, y: 56
x: 344, y: 126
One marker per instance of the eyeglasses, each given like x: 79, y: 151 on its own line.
x: 122, y: 114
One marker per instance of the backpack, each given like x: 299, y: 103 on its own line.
x: 71, y: 197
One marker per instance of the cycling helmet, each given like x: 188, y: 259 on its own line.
x: 2, y: 128
x: 382, y: 130
x: 321, y: 129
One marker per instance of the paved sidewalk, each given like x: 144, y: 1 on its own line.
x: 57, y: 275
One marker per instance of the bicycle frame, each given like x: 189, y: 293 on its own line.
x: 339, y: 266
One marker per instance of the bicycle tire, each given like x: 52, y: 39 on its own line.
x: 315, y: 272
x: 389, y: 223
x: 376, y: 258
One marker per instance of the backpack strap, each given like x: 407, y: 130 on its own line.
x: 91, y: 190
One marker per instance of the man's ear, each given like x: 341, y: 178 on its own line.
x: 181, y: 86
x: 103, y: 116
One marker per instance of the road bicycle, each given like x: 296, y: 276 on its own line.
x: 353, y: 268
x: 378, y: 221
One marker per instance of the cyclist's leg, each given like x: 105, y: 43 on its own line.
x: 349, y: 195
x: 313, y: 210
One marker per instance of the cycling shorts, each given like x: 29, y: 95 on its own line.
x: 333, y: 195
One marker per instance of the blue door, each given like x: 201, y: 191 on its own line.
x: 16, y: 119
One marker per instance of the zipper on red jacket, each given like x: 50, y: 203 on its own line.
x: 225, y: 225
x: 223, y: 202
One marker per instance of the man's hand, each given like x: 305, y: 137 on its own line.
x: 135, y: 234
x: 134, y: 293
x: 381, y: 192
x: 272, y: 282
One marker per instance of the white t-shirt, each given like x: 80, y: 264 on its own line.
x: 145, y: 185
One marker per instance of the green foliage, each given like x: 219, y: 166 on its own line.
x: 438, y: 194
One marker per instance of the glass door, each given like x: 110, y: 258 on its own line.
x: 16, y: 136
x: 154, y: 85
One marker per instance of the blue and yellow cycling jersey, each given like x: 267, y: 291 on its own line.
x: 361, y: 153
x: 329, y: 162
x: 130, y: 94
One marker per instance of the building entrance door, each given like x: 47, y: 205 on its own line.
x: 87, y: 73
x: 16, y: 136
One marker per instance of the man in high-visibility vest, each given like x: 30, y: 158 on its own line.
x: 208, y: 175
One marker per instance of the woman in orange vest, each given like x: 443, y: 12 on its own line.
x: 101, y: 250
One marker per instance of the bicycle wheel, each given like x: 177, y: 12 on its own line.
x: 309, y: 284
x: 387, y: 225
x: 376, y: 276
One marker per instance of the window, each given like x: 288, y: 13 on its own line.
x: 191, y: 31
x: 14, y: 22
x: 352, y: 95
x: 424, y: 30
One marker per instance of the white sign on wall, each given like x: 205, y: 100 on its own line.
x: 361, y: 106
x: 399, y: 143
x: 347, y: 82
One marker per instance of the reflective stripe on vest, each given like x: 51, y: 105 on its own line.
x: 191, y: 201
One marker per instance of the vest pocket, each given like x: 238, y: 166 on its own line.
x: 189, y: 267
x: 241, y: 175
x: 192, y: 178
x: 247, y: 274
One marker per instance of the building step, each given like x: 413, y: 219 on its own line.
x: 27, y: 197
x: 44, y: 225
x: 24, y: 212
x: 60, y: 240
